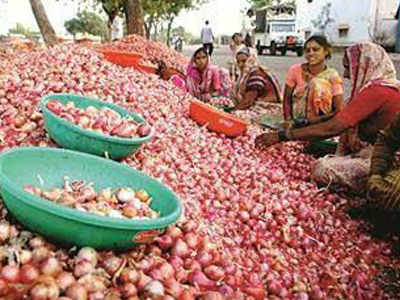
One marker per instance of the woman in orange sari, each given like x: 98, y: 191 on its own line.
x: 313, y: 91
x: 373, y: 105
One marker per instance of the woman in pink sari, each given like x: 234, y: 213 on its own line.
x: 204, y: 80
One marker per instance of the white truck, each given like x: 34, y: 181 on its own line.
x: 277, y: 33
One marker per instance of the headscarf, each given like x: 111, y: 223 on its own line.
x: 251, y: 66
x: 370, y: 64
x: 199, y: 84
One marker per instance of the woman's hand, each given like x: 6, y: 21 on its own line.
x: 374, y: 185
x: 266, y: 140
x: 248, y: 100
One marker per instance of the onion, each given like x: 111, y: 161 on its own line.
x: 180, y: 249
x: 25, y: 256
x: 212, y: 296
x: 128, y: 290
x: 82, y: 268
x: 199, y: 279
x: 164, y: 242
x: 154, y: 288
x: 87, y: 254
x: 214, y: 272
x: 143, y: 130
x: 129, y: 275
x: 28, y: 273
x: 10, y: 273
x: 4, y: 231
x: 39, y: 254
x: 112, y: 264
x: 76, y: 292
x: 50, y: 266
x: 64, y: 280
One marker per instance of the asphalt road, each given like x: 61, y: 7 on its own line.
x: 279, y: 64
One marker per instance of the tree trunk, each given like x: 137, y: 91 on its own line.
x: 47, y: 31
x: 170, y: 21
x: 134, y: 17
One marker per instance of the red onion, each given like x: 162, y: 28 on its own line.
x: 199, y: 279
x: 214, y: 272
x: 129, y: 275
x: 64, y: 280
x: 50, y: 266
x: 76, y: 292
x: 87, y: 254
x: 10, y: 273
x: 154, y: 288
x: 28, y: 273
x: 212, y: 296
x: 180, y: 249
x: 128, y: 290
x: 82, y: 268
x: 4, y: 231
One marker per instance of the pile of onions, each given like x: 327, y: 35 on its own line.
x: 122, y: 202
x: 151, y: 52
x: 254, y: 225
x: 104, y: 120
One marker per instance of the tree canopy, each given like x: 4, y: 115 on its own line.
x: 87, y: 22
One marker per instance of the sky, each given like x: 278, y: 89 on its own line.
x: 224, y: 15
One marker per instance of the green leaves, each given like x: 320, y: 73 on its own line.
x: 87, y: 22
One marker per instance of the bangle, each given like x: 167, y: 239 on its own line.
x: 301, y: 122
x: 283, y: 135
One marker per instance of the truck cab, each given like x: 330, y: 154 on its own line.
x: 277, y: 33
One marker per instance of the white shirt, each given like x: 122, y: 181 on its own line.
x: 116, y: 28
x: 207, y: 35
x: 248, y: 24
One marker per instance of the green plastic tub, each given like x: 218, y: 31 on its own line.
x: 74, y: 137
x: 322, y: 148
x: 46, y: 168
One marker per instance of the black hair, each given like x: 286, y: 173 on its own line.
x: 207, y: 22
x: 201, y: 49
x: 322, y: 41
x: 250, y: 11
x: 235, y: 34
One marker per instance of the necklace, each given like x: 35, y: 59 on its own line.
x: 309, y: 70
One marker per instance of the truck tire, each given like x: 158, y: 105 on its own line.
x: 283, y: 51
x: 272, y: 48
x: 300, y: 52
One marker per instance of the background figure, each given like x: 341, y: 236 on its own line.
x: 248, y: 27
x: 207, y: 38
x: 116, y: 27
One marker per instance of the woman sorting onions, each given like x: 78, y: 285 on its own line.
x: 384, y: 180
x: 313, y: 91
x: 169, y: 74
x: 257, y: 89
x: 204, y: 80
x: 373, y: 104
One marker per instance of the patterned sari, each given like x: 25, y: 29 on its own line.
x: 317, y: 96
x: 268, y: 102
x: 213, y: 81
x: 369, y: 64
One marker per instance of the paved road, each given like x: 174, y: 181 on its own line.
x: 279, y: 64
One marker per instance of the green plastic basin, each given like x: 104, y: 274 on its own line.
x: 74, y: 137
x: 46, y: 168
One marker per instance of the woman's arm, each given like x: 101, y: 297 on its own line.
x: 287, y: 102
x: 248, y: 100
x: 337, y: 107
x: 387, y: 144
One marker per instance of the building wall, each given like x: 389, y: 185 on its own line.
x: 357, y: 17
x: 385, y: 32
